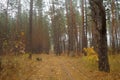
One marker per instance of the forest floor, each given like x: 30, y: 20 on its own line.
x: 52, y: 67
x: 58, y: 68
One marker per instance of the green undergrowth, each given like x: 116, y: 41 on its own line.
x: 15, y: 67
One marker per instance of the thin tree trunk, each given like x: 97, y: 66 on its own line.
x: 84, y: 37
x: 30, y: 28
x: 74, y: 28
x: 114, y: 26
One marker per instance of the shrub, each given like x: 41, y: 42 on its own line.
x: 91, y: 54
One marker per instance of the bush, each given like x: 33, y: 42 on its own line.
x: 91, y: 54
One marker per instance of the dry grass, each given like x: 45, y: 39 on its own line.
x: 114, y: 61
x: 15, y: 67
x: 22, y: 68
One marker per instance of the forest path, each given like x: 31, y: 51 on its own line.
x: 54, y: 67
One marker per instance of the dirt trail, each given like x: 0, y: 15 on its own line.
x: 57, y: 68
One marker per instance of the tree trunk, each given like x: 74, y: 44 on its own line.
x: 84, y: 35
x: 113, y: 25
x: 99, y: 18
x: 73, y: 27
x: 30, y: 28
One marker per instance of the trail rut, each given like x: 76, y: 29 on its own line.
x: 57, y: 68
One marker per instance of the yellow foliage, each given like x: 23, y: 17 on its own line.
x: 91, y: 54
x: 22, y: 33
x: 90, y: 51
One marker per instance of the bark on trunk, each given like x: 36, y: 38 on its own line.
x: 99, y: 18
